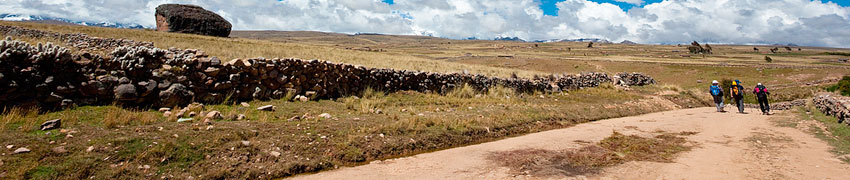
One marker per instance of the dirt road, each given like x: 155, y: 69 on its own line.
x: 728, y: 146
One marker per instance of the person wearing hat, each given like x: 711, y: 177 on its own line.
x: 761, y: 95
x: 717, y: 94
x: 737, y: 91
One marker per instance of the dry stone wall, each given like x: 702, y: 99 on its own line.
x: 137, y: 74
x: 834, y: 105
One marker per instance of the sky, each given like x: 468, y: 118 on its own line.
x: 801, y: 22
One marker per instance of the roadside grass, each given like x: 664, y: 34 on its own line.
x: 372, y: 126
x: 613, y: 150
x: 835, y: 134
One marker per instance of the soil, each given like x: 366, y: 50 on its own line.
x: 727, y: 146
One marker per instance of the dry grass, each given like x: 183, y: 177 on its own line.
x: 410, y: 123
x: 613, y: 150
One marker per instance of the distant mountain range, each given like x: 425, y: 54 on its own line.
x: 595, y: 40
x: 15, y: 17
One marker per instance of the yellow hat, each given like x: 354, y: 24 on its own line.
x: 734, y: 83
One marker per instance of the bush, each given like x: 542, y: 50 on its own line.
x: 726, y: 84
x: 843, y: 86
x: 768, y: 59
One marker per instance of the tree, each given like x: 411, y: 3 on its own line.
x: 768, y: 59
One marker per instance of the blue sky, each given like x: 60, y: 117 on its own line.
x: 549, y: 8
x: 803, y: 22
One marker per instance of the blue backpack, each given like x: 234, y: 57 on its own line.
x: 715, y: 91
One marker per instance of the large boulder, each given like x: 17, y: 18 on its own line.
x: 190, y: 19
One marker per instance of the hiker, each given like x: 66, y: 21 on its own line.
x: 717, y: 93
x: 761, y: 95
x: 738, y: 94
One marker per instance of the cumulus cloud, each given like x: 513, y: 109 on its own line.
x: 803, y: 22
x: 634, y: 2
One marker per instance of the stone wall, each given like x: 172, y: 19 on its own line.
x: 787, y: 105
x: 137, y: 74
x: 834, y: 105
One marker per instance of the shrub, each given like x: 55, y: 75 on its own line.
x: 726, y: 84
x: 843, y: 86
x: 768, y: 59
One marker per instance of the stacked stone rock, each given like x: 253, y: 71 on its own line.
x: 42, y: 75
x: 834, y: 105
x: 782, y: 105
x: 139, y: 75
x: 633, y: 79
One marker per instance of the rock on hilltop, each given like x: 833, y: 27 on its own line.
x: 190, y: 19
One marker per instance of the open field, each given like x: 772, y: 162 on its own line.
x: 117, y: 143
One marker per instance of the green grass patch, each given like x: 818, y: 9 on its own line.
x: 42, y: 172
x: 843, y: 86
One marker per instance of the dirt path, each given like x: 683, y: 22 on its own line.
x: 728, y: 146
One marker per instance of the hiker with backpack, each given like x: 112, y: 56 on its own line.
x: 761, y: 95
x: 738, y: 94
x: 717, y: 94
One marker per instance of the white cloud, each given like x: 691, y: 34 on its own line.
x: 634, y: 2
x: 801, y: 22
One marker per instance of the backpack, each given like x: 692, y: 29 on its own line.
x: 736, y: 90
x: 715, y: 91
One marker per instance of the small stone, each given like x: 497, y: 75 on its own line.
x: 192, y: 114
x: 325, y: 115
x: 59, y: 150
x: 301, y: 98
x: 420, y: 114
x: 244, y: 104
x: 10, y: 146
x: 213, y: 115
x: 21, y: 150
x: 164, y: 109
x: 275, y: 153
x: 207, y: 121
x: 246, y: 143
x: 166, y: 114
x: 266, y: 108
x: 180, y: 113
x: 241, y: 117
x: 90, y: 149
x: 381, y: 135
x: 50, y: 125
x: 146, y: 167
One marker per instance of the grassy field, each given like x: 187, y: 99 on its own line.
x: 108, y: 142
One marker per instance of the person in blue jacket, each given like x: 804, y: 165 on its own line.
x: 717, y: 94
